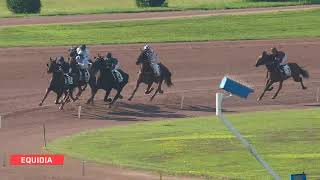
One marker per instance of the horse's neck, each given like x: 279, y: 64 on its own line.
x: 270, y: 68
x: 146, y: 66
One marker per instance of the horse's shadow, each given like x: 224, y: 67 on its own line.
x: 123, y: 111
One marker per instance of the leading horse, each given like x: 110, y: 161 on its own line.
x: 274, y: 75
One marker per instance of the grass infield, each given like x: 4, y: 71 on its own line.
x: 297, y: 24
x: 65, y: 7
x: 287, y: 140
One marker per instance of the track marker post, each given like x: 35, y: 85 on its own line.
x: 44, y: 135
x: 83, y: 168
x: 242, y: 91
x: 1, y: 123
x: 79, y: 112
x: 317, y: 94
x: 182, y: 101
x: 4, y: 160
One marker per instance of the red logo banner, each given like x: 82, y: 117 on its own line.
x: 34, y: 159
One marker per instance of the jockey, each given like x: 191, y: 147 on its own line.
x: 83, y: 61
x: 65, y: 67
x: 280, y: 58
x: 153, y: 59
x: 115, y: 66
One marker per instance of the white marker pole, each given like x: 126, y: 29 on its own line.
x: 182, y: 101
x: 318, y: 89
x: 79, y: 112
x: 83, y: 168
x: 1, y: 122
x: 252, y: 150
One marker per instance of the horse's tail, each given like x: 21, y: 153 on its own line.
x: 168, y: 79
x: 303, y: 72
x: 167, y: 75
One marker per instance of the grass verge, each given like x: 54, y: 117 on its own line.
x: 297, y: 24
x: 65, y: 7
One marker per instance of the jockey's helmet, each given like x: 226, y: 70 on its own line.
x: 109, y: 55
x: 146, y: 47
x: 83, y: 47
x: 60, y: 59
x: 274, y: 50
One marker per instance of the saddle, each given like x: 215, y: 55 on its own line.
x: 286, y: 70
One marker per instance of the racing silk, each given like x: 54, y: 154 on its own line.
x: 83, y: 58
x: 65, y: 67
x: 152, y: 56
x: 282, y: 58
x: 113, y: 62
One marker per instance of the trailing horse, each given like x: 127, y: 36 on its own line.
x: 274, y: 75
x: 147, y: 76
x: 105, y: 80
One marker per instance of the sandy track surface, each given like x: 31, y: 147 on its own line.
x: 197, y: 69
x: 117, y: 17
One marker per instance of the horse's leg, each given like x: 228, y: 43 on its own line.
x: 149, y: 89
x: 93, y: 93
x: 265, y: 89
x: 160, y: 86
x: 59, y: 94
x: 106, y: 97
x: 66, y: 98
x: 45, y: 96
x: 280, y: 87
x: 299, y: 79
x: 116, y: 97
x: 157, y: 91
x: 67, y: 95
x: 136, y: 88
x: 268, y: 80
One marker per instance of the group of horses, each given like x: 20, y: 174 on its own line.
x: 101, y: 77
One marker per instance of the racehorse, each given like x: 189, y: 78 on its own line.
x: 105, y: 80
x: 147, y: 76
x: 57, y: 84
x: 274, y: 75
x: 81, y: 84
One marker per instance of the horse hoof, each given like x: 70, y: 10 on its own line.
x: 270, y: 89
x: 259, y: 99
x: 61, y: 108
x: 129, y: 99
x: 120, y: 96
x: 273, y: 97
x: 108, y: 100
x: 161, y: 91
x: 40, y: 104
x: 304, y: 88
x: 148, y: 92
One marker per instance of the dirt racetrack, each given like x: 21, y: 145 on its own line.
x: 197, y: 69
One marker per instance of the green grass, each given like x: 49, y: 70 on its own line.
x: 232, y: 27
x: 287, y: 140
x: 60, y: 7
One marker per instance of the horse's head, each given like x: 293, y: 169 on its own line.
x: 98, y: 64
x: 51, y: 65
x: 73, y: 52
x: 142, y: 57
x: 264, y: 59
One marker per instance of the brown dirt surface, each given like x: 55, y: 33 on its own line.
x: 197, y: 70
x: 116, y: 17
